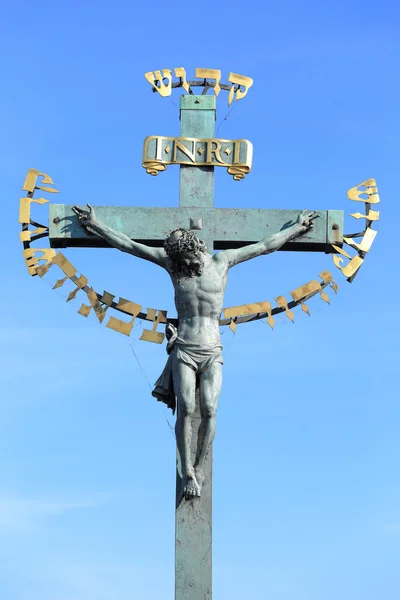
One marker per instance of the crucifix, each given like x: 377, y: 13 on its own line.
x: 183, y: 240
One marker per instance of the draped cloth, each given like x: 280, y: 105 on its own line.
x: 199, y: 358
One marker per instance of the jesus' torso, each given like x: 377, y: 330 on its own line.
x: 199, y: 301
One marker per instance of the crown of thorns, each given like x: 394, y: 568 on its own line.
x: 187, y: 242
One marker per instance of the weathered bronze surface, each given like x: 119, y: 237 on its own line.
x: 199, y: 281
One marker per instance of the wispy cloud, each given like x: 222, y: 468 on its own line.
x: 18, y: 512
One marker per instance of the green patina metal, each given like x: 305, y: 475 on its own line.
x: 220, y: 228
x: 193, y: 519
x: 193, y: 530
x: 198, y: 114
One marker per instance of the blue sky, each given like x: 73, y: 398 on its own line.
x: 306, y: 485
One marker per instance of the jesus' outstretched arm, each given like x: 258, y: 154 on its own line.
x: 272, y: 242
x: 117, y: 239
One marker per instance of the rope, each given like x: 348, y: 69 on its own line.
x: 174, y: 103
x: 233, y: 335
x: 226, y: 117
x: 151, y: 387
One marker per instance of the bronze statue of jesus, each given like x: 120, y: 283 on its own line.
x: 195, y: 350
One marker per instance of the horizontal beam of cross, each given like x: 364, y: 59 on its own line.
x: 220, y: 228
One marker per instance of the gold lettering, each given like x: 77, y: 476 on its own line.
x: 69, y: 271
x: 241, y: 80
x: 350, y: 270
x: 308, y: 289
x: 181, y: 146
x: 59, y: 260
x: 282, y: 303
x: 240, y: 169
x: 32, y: 261
x: 373, y: 215
x: 153, y: 165
x: 268, y: 310
x: 159, y: 148
x: 95, y: 303
x: 161, y: 155
x: 128, y: 307
x: 210, y: 74
x: 30, y: 181
x: 25, y: 208
x: 161, y: 81
x: 181, y: 73
x: 236, y: 154
x: 84, y: 310
x: 250, y: 309
x: 26, y: 236
x: 80, y: 283
x: 247, y: 309
x: 313, y: 287
x: 163, y: 89
x: 369, y: 195
x: 215, y: 151
x: 366, y: 242
x: 157, y: 317
x: 158, y: 145
x: 326, y: 277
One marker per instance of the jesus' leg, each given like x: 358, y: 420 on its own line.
x: 210, y: 389
x: 184, y: 386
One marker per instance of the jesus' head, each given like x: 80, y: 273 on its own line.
x: 186, y: 252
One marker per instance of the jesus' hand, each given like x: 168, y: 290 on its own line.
x: 305, y: 220
x: 87, y: 218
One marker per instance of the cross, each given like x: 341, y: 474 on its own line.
x: 220, y: 229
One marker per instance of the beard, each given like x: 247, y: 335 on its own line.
x: 193, y: 269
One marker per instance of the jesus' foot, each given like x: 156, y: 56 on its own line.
x: 191, y: 488
x: 199, y: 477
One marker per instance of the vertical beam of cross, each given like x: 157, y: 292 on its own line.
x: 193, y: 519
x: 197, y: 183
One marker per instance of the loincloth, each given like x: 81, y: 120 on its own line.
x: 198, y: 358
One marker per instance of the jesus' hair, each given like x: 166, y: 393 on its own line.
x: 187, y: 242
